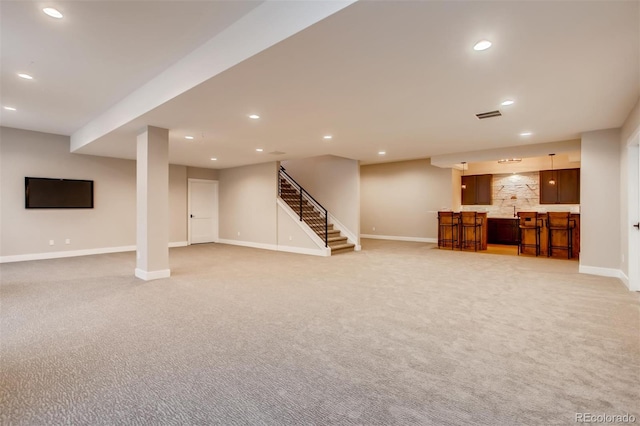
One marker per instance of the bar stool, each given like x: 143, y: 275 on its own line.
x: 528, y: 221
x: 468, y: 221
x: 448, y: 227
x: 560, y: 222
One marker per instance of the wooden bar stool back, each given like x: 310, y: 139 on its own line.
x: 529, y: 226
x: 560, y: 225
x: 471, y: 230
x: 448, y: 231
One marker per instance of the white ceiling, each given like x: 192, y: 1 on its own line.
x: 395, y: 76
x: 96, y: 55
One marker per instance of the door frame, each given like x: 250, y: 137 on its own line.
x: 633, y: 210
x: 216, y: 208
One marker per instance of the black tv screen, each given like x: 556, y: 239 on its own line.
x: 47, y: 193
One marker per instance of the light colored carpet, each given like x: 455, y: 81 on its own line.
x: 400, y: 333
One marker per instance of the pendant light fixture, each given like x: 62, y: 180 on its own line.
x: 552, y: 181
x: 464, y: 163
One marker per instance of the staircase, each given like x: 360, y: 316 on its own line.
x: 312, y: 213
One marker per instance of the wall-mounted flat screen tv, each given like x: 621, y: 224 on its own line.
x: 47, y: 193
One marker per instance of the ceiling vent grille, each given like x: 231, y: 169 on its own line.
x: 277, y: 153
x: 489, y: 114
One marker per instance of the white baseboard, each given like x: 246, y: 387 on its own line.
x: 60, y: 254
x: 251, y: 244
x: 603, y: 272
x: 299, y: 250
x: 275, y: 247
x: 152, y: 275
x: 396, y: 238
x: 625, y: 279
x: 75, y: 253
x: 179, y: 244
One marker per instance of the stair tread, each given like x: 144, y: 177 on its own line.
x: 338, y: 238
x: 346, y: 249
x: 343, y: 246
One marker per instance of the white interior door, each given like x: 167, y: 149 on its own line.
x: 203, y: 211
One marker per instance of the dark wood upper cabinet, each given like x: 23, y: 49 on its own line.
x: 548, y: 192
x: 468, y: 190
x: 477, y: 190
x: 569, y: 186
x: 565, y: 191
x: 483, y: 189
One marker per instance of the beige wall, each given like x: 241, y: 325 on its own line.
x: 456, y: 193
x: 290, y: 234
x: 600, y: 199
x: 402, y: 199
x: 110, y: 224
x: 200, y: 173
x: 248, y: 203
x: 632, y: 122
x: 334, y: 182
x: 177, y: 203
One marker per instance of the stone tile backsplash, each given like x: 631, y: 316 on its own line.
x: 521, y: 191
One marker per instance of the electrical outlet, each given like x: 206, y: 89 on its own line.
x: 290, y: 238
x: 52, y: 243
x: 374, y: 228
x: 67, y: 241
x: 238, y: 233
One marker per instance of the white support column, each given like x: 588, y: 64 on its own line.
x: 152, y: 231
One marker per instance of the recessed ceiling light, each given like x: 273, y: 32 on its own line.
x: 526, y: 134
x: 25, y: 76
x: 382, y: 152
x: 327, y: 137
x: 188, y: 137
x: 214, y: 159
x: 482, y: 45
x: 254, y: 116
x: 9, y: 108
x: 507, y: 102
x: 259, y: 149
x: 54, y: 13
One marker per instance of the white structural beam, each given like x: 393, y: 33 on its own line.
x: 264, y: 26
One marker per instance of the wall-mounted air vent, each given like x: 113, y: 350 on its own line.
x: 277, y: 153
x: 489, y: 114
